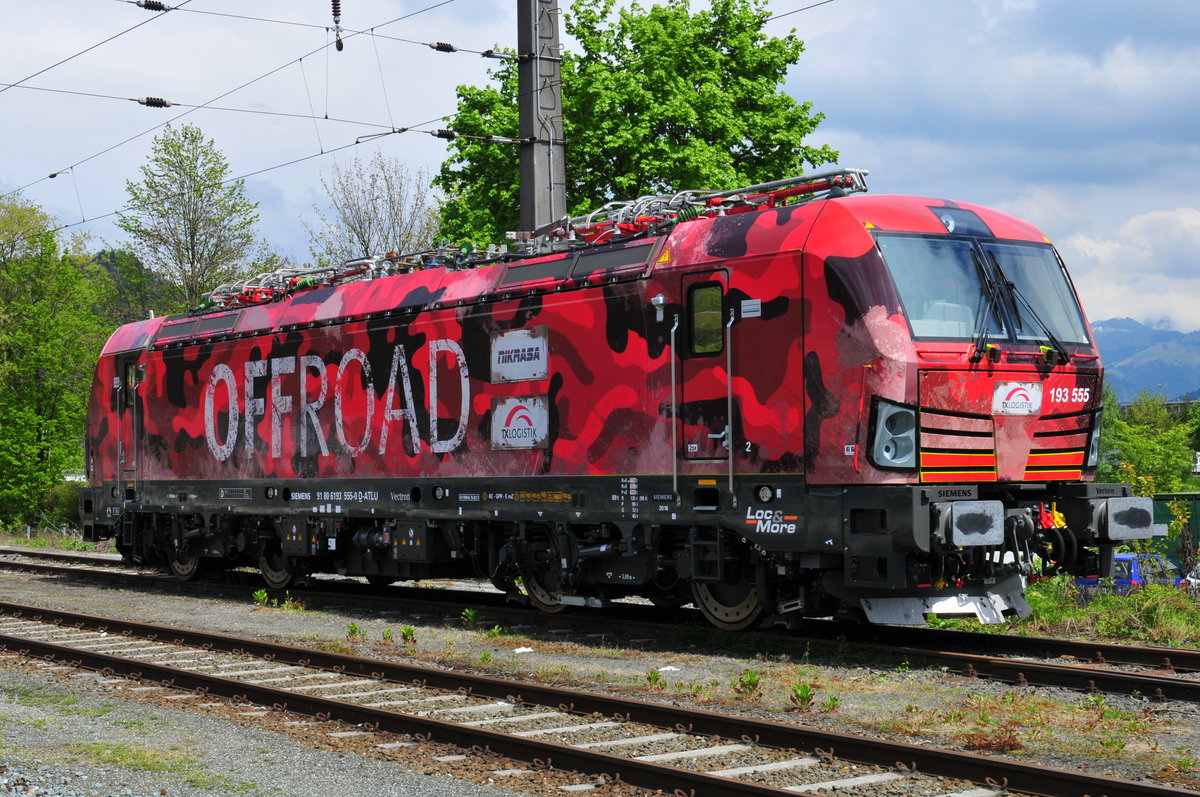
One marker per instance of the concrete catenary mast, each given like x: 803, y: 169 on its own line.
x: 539, y: 82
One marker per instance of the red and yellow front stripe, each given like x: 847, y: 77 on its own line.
x: 958, y: 466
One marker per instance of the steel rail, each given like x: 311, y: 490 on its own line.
x: 1020, y: 672
x: 549, y: 754
x: 1184, y: 659
x: 1029, y: 778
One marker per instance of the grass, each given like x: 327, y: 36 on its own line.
x: 1156, y: 614
x: 192, y: 771
x: 47, y: 538
x: 58, y: 703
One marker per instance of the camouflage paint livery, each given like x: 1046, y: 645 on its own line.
x: 692, y: 399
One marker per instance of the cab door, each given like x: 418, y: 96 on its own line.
x: 128, y: 423
x: 705, y: 386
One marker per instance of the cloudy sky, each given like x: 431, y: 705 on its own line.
x: 1082, y: 117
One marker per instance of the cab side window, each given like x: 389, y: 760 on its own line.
x: 129, y: 384
x: 706, y: 317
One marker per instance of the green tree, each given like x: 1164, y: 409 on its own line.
x: 50, y: 336
x: 137, y: 291
x: 1147, y: 445
x: 656, y: 100
x: 187, y: 221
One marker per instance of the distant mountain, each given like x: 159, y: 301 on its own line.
x: 1119, y: 338
x: 1139, y: 357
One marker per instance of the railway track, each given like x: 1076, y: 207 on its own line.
x: 1157, y: 673
x: 644, y: 744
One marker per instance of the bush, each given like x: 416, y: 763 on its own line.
x: 62, y: 504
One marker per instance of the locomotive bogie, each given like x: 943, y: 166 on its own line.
x: 764, y: 412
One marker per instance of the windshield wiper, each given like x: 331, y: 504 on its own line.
x: 980, y: 346
x: 1064, y: 356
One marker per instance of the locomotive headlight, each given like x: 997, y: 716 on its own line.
x: 894, y: 436
x: 1093, y: 454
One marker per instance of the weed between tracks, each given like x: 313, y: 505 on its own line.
x: 901, y: 700
x: 843, y: 686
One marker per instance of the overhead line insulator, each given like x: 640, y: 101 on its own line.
x: 153, y: 102
x: 337, y: 25
x: 152, y: 5
x: 444, y: 47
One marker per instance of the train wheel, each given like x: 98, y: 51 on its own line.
x: 730, y: 607
x: 542, y: 599
x: 275, y: 567
x: 185, y: 563
x: 541, y: 582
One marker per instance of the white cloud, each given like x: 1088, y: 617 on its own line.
x: 1082, y: 122
x: 1147, y: 270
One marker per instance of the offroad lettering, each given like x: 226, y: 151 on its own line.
x: 297, y: 388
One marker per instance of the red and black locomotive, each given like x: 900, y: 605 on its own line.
x: 790, y: 400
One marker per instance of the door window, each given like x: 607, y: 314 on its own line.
x: 707, y: 322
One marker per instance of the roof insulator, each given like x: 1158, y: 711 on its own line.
x: 152, y: 5
x: 444, y: 47
x: 154, y: 102
x: 449, y: 135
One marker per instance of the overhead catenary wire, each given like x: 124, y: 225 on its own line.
x: 159, y: 102
x: 83, y: 51
x: 156, y: 102
x: 437, y: 46
x: 193, y: 109
x: 774, y: 17
x: 246, y: 175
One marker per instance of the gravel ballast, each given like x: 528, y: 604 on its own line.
x: 68, y: 737
x: 921, y: 706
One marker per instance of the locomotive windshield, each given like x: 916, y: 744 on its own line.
x: 1034, y: 278
x: 958, y: 288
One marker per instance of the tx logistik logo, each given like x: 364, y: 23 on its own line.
x: 1017, y: 398
x: 518, y: 425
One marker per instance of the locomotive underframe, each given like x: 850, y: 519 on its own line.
x: 772, y: 546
